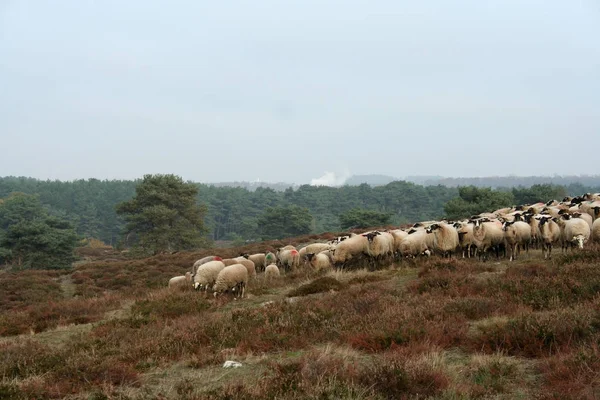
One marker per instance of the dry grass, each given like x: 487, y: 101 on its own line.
x: 448, y: 329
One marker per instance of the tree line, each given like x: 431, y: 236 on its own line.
x: 164, y: 213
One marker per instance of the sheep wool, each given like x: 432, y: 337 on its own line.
x: 180, y: 280
x: 206, y: 274
x: 233, y: 277
x: 271, y: 271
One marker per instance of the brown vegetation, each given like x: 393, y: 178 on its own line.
x: 447, y: 329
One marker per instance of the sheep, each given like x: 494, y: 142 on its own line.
x: 586, y: 217
x: 204, y: 260
x: 465, y: 237
x: 414, y: 244
x: 317, y: 247
x: 206, y: 274
x: 271, y: 272
x: 180, y: 280
x: 596, y: 230
x: 574, y: 230
x: 258, y: 259
x: 549, y: 234
x: 534, y: 227
x: 249, y: 266
x: 445, y: 238
x: 288, y: 247
x: 350, y: 251
x: 229, y: 261
x: 379, y: 245
x: 270, y: 258
x: 516, y: 234
x: 233, y: 277
x: 488, y: 235
x: 288, y: 259
x: 398, y: 235
x: 318, y: 261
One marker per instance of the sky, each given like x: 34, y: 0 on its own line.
x: 298, y: 91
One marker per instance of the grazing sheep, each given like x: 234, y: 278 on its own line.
x: 549, y: 234
x: 288, y: 259
x: 318, y: 261
x: 350, y: 251
x: 180, y: 280
x: 414, y: 244
x: 517, y: 234
x: 316, y: 248
x: 229, y: 261
x: 445, y: 238
x: 233, y: 277
x: 288, y: 247
x: 258, y: 259
x: 249, y: 266
x: 488, y: 235
x: 206, y: 274
x: 270, y: 258
x: 271, y: 272
x: 204, y: 261
x: 575, y: 230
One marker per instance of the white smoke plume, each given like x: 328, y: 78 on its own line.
x: 331, y: 179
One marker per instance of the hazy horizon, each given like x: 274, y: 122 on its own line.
x: 299, y: 92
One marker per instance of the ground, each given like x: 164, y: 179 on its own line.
x: 447, y: 329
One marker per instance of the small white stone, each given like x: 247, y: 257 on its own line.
x: 232, y: 364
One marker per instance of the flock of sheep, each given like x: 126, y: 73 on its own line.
x: 568, y: 223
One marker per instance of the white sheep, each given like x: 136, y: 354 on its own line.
x: 206, y: 274
x: 180, y: 280
x: 229, y: 261
x: 465, y: 238
x: 596, y: 230
x: 574, y: 230
x: 318, y: 261
x: 380, y: 245
x: 350, y: 250
x: 288, y: 259
x: 549, y: 234
x: 445, y: 238
x: 204, y: 260
x: 414, y: 244
x: 271, y: 272
x: 517, y: 235
x: 270, y: 258
x: 233, y: 277
x: 399, y: 236
x: 249, y: 266
x: 586, y: 217
x: 488, y: 235
x: 258, y: 259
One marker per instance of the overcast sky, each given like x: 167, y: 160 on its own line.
x: 289, y: 90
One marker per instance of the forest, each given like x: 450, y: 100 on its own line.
x: 237, y: 214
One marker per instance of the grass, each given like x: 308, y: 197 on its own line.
x: 448, y: 329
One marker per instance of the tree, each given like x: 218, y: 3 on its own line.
x: 163, y: 215
x: 473, y: 200
x: 357, y: 218
x: 31, y: 238
x: 280, y: 222
x: 538, y: 193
